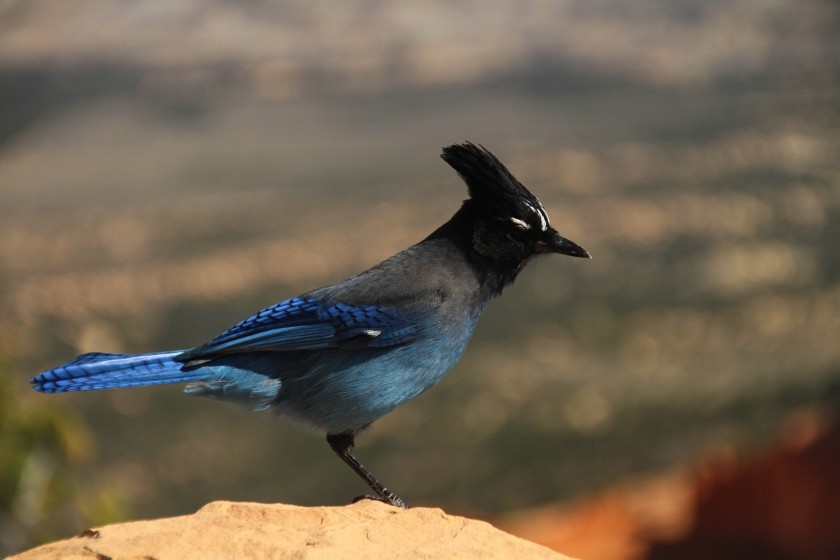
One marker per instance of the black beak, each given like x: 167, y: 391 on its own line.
x: 553, y: 242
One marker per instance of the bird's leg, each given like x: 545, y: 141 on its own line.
x: 342, y: 444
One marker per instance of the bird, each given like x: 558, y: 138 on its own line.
x: 339, y: 357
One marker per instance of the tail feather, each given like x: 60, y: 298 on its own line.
x: 99, y: 370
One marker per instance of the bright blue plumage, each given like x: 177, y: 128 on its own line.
x: 249, y: 362
x: 99, y: 370
x: 306, y: 323
x: 340, y: 357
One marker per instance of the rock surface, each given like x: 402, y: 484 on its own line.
x: 367, y: 530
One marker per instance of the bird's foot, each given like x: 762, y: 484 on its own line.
x: 391, y: 500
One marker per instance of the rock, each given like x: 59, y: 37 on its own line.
x: 366, y: 530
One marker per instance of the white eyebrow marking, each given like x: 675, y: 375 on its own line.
x: 520, y: 224
x: 541, y: 213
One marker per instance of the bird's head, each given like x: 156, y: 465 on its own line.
x: 507, y: 224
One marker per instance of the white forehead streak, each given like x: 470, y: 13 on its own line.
x: 541, y: 214
x: 519, y: 223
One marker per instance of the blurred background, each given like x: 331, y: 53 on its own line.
x: 167, y: 168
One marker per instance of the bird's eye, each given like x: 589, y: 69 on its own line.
x: 524, y: 226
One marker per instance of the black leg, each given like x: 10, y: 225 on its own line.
x: 342, y: 444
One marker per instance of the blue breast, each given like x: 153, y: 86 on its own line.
x: 346, y: 391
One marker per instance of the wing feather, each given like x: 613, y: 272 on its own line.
x: 307, y: 323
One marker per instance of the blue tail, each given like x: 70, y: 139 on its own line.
x: 107, y: 371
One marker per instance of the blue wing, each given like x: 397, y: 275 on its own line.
x: 307, y: 323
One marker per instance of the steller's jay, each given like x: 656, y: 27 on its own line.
x: 339, y: 357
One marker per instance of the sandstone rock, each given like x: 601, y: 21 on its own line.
x: 366, y: 530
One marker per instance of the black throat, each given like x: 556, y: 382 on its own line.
x: 494, y: 270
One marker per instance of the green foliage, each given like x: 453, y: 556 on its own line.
x: 41, y: 444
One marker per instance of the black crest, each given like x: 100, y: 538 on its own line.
x: 490, y: 183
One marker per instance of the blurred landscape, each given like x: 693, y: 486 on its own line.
x: 168, y: 168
